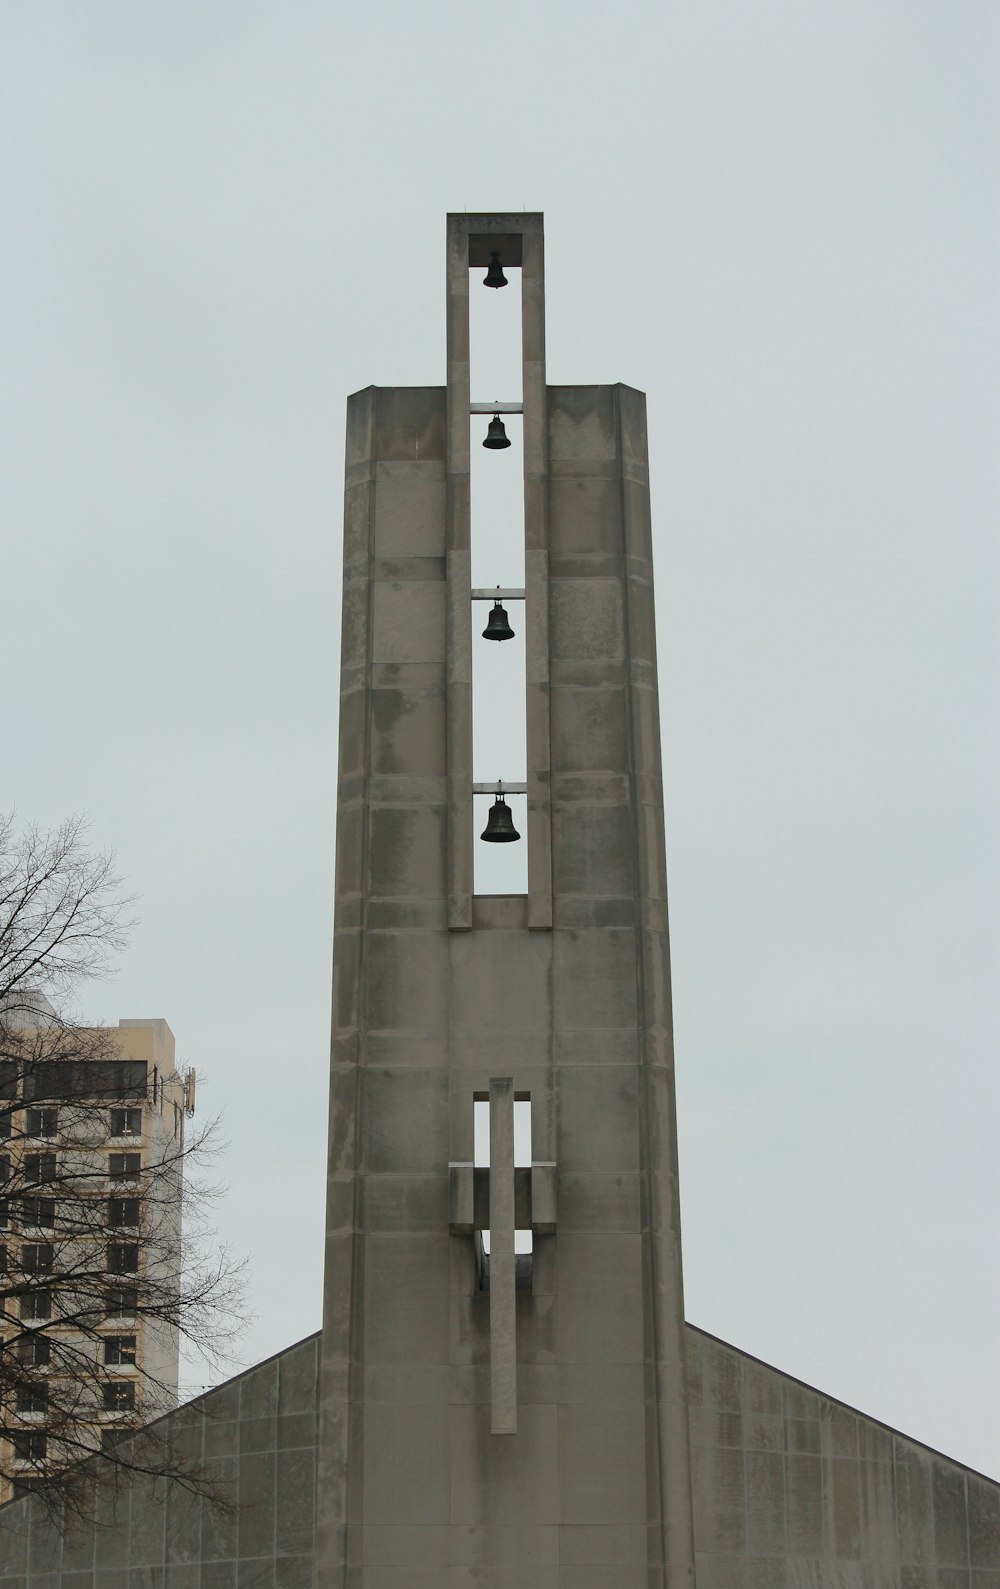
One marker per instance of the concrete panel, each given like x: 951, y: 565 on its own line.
x: 406, y: 1477
x: 599, y: 1290
x: 409, y: 510
x: 589, y: 729
x: 408, y: 732
x: 598, y: 1119
x: 501, y: 1481
x: 406, y: 1121
x: 582, y: 427
x: 407, y: 852
x: 594, y: 981
x: 406, y: 1298
x: 587, y: 621
x: 409, y: 424
x: 584, y: 513
x: 500, y: 982
x: 407, y: 621
x: 603, y: 1460
x: 593, y: 849
x: 406, y: 982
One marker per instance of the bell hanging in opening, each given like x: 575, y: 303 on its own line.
x: 498, y: 627
x: 496, y: 436
x: 494, y: 276
x: 500, y: 827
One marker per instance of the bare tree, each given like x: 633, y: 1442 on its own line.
x: 97, y: 1287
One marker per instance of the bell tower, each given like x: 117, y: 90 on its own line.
x: 502, y: 1380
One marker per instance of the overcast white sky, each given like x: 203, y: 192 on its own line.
x: 779, y: 219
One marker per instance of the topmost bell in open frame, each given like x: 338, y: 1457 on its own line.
x: 494, y: 276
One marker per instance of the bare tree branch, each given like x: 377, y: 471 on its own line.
x: 97, y: 1286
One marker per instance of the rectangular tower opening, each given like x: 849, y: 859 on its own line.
x: 497, y: 545
x: 522, y: 1154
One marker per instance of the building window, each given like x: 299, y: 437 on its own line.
x: 123, y: 1257
x: 35, y: 1351
x: 124, y: 1212
x: 3, y: 1260
x: 125, y: 1166
x: 126, y: 1122
x: 30, y: 1445
x: 4, y: 1167
x: 36, y: 1305
x: 33, y: 1398
x: 122, y: 1302
x: 4, y: 1212
x: 41, y: 1122
x: 38, y: 1211
x: 5, y: 1126
x: 39, y: 1167
x: 119, y: 1348
x: 119, y: 1395
x: 36, y: 1255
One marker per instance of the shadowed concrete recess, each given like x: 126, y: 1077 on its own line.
x: 559, y: 1427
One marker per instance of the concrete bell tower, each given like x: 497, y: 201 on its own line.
x: 492, y: 1416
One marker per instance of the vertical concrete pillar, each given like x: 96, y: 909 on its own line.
x: 459, y: 586
x: 503, y: 1338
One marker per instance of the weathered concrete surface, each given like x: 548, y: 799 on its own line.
x: 793, y: 1490
x: 431, y: 1001
x: 256, y: 1438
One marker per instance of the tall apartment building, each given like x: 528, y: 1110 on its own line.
x: 91, y: 1160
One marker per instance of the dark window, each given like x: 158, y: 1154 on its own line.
x: 19, y: 1487
x: 3, y: 1260
x: 5, y: 1127
x: 126, y: 1122
x: 8, y: 1082
x: 119, y: 1395
x: 35, y: 1351
x: 40, y: 1122
x: 33, y: 1398
x: 86, y: 1079
x: 36, y: 1255
x: 122, y: 1302
x: 4, y: 1212
x: 119, y: 1348
x: 123, y: 1211
x: 125, y: 1166
x: 123, y: 1257
x: 39, y: 1167
x: 4, y: 1166
x: 36, y: 1305
x: 30, y: 1445
x: 40, y: 1211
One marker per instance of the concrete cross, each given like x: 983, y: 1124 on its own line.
x: 502, y: 1199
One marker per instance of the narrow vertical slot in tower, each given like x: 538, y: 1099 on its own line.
x: 497, y: 561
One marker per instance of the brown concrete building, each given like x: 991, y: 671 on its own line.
x: 545, y: 1420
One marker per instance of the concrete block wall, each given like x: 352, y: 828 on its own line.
x: 793, y: 1490
x: 255, y: 1437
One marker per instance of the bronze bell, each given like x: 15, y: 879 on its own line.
x: 498, y: 627
x: 494, y: 276
x: 500, y: 827
x: 496, y: 436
